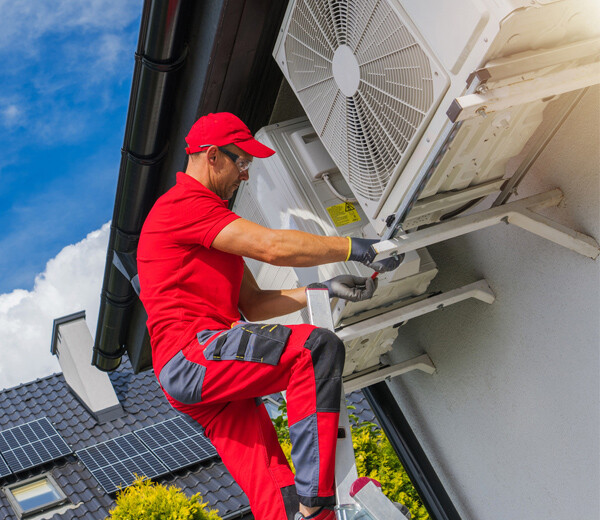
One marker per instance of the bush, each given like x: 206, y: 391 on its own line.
x: 375, y: 458
x: 145, y: 500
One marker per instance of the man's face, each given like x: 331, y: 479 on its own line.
x: 230, y: 175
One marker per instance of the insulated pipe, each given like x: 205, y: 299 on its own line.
x: 161, y: 52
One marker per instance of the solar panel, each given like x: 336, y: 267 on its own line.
x: 177, y: 443
x: 31, y: 444
x: 4, y: 469
x: 115, y: 463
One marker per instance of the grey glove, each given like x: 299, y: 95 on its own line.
x: 350, y: 287
x: 361, y: 251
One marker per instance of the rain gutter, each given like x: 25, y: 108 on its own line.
x: 192, y: 58
x: 161, y: 53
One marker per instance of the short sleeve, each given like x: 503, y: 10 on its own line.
x: 202, y: 218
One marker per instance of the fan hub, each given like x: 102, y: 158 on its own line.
x: 346, y: 70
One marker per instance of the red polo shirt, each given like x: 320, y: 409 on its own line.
x: 186, y: 285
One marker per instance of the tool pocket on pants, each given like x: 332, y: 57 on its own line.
x: 255, y: 342
x: 182, y: 379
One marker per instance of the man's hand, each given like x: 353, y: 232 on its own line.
x: 350, y: 287
x: 361, y: 251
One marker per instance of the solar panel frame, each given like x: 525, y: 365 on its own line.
x: 32, y: 444
x: 116, y: 463
x: 4, y: 469
x: 177, y: 443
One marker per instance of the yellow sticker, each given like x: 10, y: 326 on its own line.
x: 343, y: 214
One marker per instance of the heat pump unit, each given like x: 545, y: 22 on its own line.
x: 300, y: 187
x: 421, y: 104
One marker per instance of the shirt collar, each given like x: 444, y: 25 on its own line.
x: 190, y: 183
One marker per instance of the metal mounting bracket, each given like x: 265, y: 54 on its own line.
x: 529, y: 62
x: 422, y: 363
x: 523, y: 90
x: 479, y: 290
x: 519, y: 213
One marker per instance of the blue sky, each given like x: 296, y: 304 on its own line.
x: 66, y: 76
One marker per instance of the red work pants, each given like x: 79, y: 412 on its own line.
x: 217, y: 379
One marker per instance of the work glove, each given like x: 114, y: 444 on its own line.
x: 350, y: 287
x: 361, y: 251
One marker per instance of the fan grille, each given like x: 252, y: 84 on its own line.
x: 366, y: 133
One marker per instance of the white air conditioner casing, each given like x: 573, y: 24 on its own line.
x: 287, y: 191
x: 377, y: 77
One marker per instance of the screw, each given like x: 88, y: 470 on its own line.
x: 482, y: 89
x: 481, y: 112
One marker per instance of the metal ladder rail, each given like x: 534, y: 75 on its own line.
x: 369, y: 497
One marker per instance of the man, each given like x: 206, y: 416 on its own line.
x: 214, y: 366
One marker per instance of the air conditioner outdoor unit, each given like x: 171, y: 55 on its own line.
x: 414, y: 110
x: 301, y: 188
x: 398, y: 91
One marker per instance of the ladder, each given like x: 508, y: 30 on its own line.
x: 351, y: 491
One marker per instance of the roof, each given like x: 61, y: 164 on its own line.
x: 144, y: 404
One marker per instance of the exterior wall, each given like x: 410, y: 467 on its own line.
x: 511, y: 418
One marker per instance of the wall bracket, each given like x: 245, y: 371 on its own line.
x: 519, y: 213
x: 479, y: 290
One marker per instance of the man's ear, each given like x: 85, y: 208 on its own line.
x: 211, y: 154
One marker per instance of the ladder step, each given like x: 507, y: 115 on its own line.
x: 368, y: 494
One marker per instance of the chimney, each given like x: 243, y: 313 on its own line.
x: 72, y: 343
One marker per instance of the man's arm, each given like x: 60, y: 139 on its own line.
x: 280, y: 246
x: 257, y: 304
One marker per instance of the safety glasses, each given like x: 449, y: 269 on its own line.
x: 242, y: 164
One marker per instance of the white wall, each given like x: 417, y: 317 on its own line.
x: 511, y: 418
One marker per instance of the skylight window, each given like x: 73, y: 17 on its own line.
x: 34, y: 495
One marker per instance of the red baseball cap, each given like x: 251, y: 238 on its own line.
x: 222, y: 129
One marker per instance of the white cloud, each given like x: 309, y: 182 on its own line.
x: 71, y: 282
x: 11, y: 114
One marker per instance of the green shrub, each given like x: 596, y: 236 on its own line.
x: 375, y: 458
x: 145, y: 500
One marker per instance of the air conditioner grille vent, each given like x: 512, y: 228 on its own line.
x: 366, y: 132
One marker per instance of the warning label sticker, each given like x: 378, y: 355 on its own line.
x: 343, y: 214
